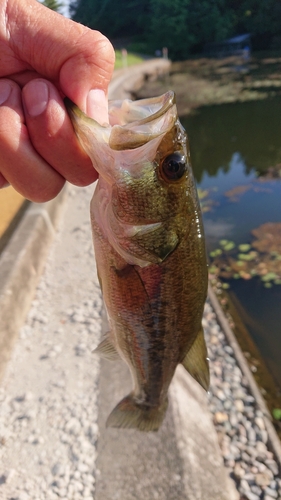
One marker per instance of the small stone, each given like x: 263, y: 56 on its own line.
x: 221, y: 395
x: 260, y: 423
x: 239, y: 405
x: 263, y: 479
x: 272, y: 465
x: 239, y: 472
x: 227, y: 404
x: 246, y: 457
x: 252, y: 435
x: 233, y: 419
x: 262, y: 450
x: 251, y: 496
x: 58, y: 469
x: 273, y: 485
x: 78, y: 486
x: 271, y: 493
x: 83, y: 467
x: 62, y: 492
x: 23, y: 496
x: 221, y: 417
x: 244, y: 485
x: 264, y: 436
x: 257, y: 490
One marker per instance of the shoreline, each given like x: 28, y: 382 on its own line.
x: 203, y: 81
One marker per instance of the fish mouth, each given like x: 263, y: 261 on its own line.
x: 132, y: 124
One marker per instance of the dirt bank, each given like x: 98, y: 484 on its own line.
x: 199, y: 82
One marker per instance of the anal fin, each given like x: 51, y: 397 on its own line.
x: 107, y: 350
x: 196, y: 362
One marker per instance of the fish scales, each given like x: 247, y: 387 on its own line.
x: 150, y: 251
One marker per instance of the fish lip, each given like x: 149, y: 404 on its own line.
x: 169, y: 99
x: 75, y: 113
x: 138, y: 132
x: 128, y: 135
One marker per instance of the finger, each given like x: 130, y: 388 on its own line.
x: 20, y: 164
x: 52, y: 134
x: 3, y: 182
x: 78, y: 58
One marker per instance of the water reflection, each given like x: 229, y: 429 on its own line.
x: 236, y: 155
x: 252, y: 130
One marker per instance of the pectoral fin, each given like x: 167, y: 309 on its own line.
x: 196, y: 363
x: 107, y: 350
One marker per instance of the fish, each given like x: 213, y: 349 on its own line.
x: 150, y: 250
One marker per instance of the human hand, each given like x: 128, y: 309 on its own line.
x: 45, y: 57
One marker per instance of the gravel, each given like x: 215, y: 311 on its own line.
x: 48, y: 399
x: 239, y: 422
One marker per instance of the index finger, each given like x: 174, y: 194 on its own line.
x: 76, y: 58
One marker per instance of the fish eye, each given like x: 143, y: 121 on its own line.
x: 174, y: 166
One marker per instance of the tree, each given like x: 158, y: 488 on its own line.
x: 114, y: 19
x: 52, y: 4
x: 183, y: 26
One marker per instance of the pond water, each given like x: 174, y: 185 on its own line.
x: 236, y: 157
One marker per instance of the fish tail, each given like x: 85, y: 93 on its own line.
x: 130, y: 415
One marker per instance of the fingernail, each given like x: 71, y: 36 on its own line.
x: 36, y: 96
x: 97, y: 106
x: 5, y: 90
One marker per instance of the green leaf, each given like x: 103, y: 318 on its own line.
x: 247, y: 256
x: 230, y: 245
x: 269, y: 277
x: 216, y: 252
x: 213, y: 270
x: 223, y: 242
x: 268, y: 285
x: 244, y: 247
x: 277, y: 413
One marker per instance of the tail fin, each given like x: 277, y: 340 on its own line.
x: 130, y: 415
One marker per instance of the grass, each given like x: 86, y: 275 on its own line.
x: 131, y: 59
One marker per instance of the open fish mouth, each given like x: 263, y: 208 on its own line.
x: 131, y: 123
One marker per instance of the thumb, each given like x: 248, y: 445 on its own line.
x: 77, y: 59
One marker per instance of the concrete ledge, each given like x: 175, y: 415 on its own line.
x: 273, y: 439
x: 21, y: 265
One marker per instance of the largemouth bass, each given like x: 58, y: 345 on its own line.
x: 150, y: 250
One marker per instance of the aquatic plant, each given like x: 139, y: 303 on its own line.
x: 260, y: 259
x: 206, y: 202
x: 276, y: 412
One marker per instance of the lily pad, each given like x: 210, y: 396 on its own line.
x: 230, y: 245
x: 277, y: 413
x: 213, y: 270
x: 269, y: 276
x: 244, y: 247
x: 216, y: 252
x: 223, y: 242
